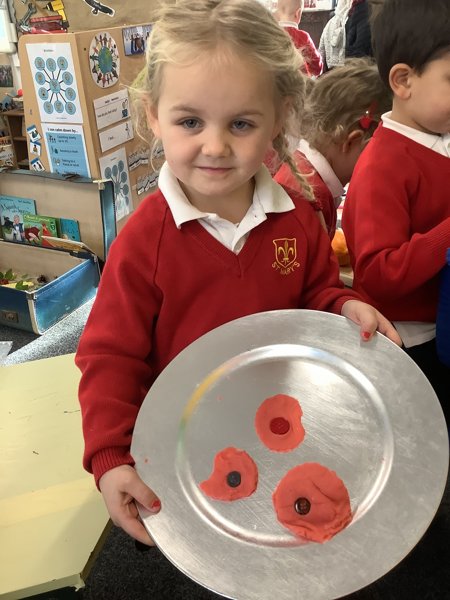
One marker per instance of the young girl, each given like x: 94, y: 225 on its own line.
x: 342, y: 111
x: 207, y: 247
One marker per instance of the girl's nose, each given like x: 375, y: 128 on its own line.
x: 215, y: 143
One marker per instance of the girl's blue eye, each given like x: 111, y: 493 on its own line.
x: 190, y: 123
x: 241, y: 125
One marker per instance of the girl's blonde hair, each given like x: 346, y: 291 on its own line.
x: 187, y: 29
x: 347, y: 98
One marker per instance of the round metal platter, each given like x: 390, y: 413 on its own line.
x: 369, y: 414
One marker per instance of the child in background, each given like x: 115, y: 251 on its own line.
x: 205, y: 248
x: 342, y: 110
x: 396, y: 217
x: 288, y: 15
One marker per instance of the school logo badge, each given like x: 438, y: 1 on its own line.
x: 285, y: 255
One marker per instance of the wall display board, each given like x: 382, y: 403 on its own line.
x: 83, y: 15
x: 77, y: 109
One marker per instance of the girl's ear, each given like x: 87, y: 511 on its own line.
x: 353, y: 139
x: 400, y: 80
x: 152, y: 119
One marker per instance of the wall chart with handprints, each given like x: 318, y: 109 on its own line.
x: 55, y: 82
x: 104, y: 60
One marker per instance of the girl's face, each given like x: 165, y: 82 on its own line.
x: 216, y: 120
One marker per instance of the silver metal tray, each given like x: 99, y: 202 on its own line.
x: 369, y: 414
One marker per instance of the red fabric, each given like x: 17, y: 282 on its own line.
x: 164, y: 287
x: 324, y: 200
x: 396, y: 221
x: 303, y: 41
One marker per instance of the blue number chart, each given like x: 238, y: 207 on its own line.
x: 55, y: 83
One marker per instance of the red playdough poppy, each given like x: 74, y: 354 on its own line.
x: 278, y: 423
x: 235, y: 476
x: 312, y: 502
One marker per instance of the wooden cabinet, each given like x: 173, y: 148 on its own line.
x: 15, y: 122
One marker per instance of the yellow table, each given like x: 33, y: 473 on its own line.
x: 52, y: 518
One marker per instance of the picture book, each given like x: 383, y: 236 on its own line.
x: 35, y: 226
x: 68, y: 229
x: 12, y: 211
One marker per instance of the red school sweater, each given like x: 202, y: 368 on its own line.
x: 323, y: 198
x: 396, y: 221
x: 164, y: 287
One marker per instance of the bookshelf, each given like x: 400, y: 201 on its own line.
x: 15, y: 123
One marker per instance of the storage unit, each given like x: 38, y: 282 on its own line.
x: 77, y: 108
x: 16, y: 124
x: 73, y: 275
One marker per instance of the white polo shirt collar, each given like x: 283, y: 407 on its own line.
x: 323, y: 167
x: 438, y: 143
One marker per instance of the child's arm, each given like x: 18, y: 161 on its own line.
x: 391, y: 263
x: 121, y: 487
x: 114, y: 350
x: 323, y: 289
x: 311, y: 55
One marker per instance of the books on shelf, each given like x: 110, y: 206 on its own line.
x: 68, y: 229
x: 36, y: 226
x: 12, y: 211
x: 19, y: 222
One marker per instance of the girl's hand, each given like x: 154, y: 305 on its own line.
x: 369, y: 320
x: 120, y: 488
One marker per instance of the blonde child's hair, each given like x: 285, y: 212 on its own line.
x: 347, y: 98
x: 184, y: 31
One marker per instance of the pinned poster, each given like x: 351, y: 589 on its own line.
x: 114, y: 167
x: 56, y: 88
x: 66, y: 149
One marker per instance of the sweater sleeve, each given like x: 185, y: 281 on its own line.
x: 312, y: 56
x: 323, y: 289
x: 114, y: 349
x: 388, y: 261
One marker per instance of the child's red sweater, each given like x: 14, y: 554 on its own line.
x: 303, y: 41
x: 164, y: 287
x: 396, y: 221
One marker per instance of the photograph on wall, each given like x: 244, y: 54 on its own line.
x: 66, y: 149
x: 55, y: 84
x: 114, y: 167
x: 135, y: 39
x: 104, y: 60
x: 6, y: 76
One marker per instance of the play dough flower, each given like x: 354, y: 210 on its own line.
x: 278, y: 423
x: 312, y: 502
x: 235, y: 476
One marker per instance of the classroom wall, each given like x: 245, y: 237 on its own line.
x: 81, y: 18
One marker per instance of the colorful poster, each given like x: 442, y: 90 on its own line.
x: 66, y: 149
x: 112, y: 108
x: 55, y: 83
x: 104, y: 60
x: 114, y: 166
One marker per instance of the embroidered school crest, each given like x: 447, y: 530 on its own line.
x: 285, y: 255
